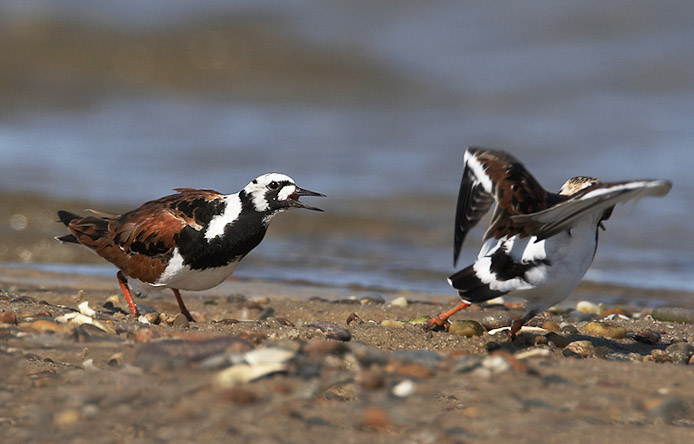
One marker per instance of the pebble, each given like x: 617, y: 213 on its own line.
x: 681, y: 350
x: 493, y: 321
x: 375, y: 418
x: 399, y: 302
x: 43, y: 326
x: 569, y: 329
x: 465, y: 364
x: 372, y: 298
x: 425, y: 357
x: 320, y: 349
x: 579, y: 348
x: 390, y: 323
x: 115, y: 359
x: 605, y: 330
x: 496, y: 364
x: 419, y: 320
x: 415, y: 370
x: 180, y: 321
x: 332, y: 330
x: 588, y: 307
x: 85, y: 309
x: 466, y: 328
x: 646, y: 336
x: 558, y: 340
x: 152, y: 317
x: 533, y: 353
x: 368, y: 356
x: 268, y: 355
x: 673, y: 314
x: 239, y: 395
x: 578, y: 316
x: 92, y: 333
x: 8, y: 317
x: 551, y: 326
x: 244, y: 373
x: 404, y: 388
x: 370, y: 379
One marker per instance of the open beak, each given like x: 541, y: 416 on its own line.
x: 293, y: 199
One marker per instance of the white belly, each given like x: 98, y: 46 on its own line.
x: 179, y: 276
x: 570, y: 257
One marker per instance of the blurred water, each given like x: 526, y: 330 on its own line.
x: 593, y: 89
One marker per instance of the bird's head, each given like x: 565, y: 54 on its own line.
x: 576, y: 184
x: 275, y: 192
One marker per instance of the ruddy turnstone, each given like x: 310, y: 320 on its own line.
x: 539, y: 244
x: 191, y: 240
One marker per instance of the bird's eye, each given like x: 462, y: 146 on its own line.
x: 273, y: 185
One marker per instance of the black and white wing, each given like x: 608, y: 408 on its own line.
x: 494, y: 177
x: 596, y: 199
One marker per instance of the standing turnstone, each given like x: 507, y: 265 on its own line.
x: 539, y: 244
x: 191, y: 240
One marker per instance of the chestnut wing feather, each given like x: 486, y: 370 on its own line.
x: 142, y: 241
x: 494, y: 177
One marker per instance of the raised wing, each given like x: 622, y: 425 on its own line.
x: 494, y: 177
x: 596, y: 199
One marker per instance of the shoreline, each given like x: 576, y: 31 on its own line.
x: 390, y: 382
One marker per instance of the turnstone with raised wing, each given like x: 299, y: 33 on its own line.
x: 191, y: 240
x: 539, y: 244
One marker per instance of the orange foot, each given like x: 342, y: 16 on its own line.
x: 441, y: 319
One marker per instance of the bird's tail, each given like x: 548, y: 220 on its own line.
x: 66, y: 217
x: 471, y: 288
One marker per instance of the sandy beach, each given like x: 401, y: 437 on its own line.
x: 120, y: 380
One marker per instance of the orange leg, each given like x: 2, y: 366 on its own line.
x: 182, y: 306
x: 123, y: 282
x: 441, y: 319
x: 516, y: 326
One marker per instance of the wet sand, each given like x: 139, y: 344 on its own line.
x: 132, y: 382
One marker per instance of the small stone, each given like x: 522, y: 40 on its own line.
x: 152, y: 317
x: 372, y: 298
x: 375, y: 419
x: 680, y: 352
x: 92, y: 333
x: 269, y: 355
x: 404, y: 389
x: 419, y: 320
x: 266, y: 313
x: 399, y: 302
x: 370, y: 379
x: 569, y: 329
x: 390, y: 323
x: 66, y: 418
x: 239, y: 395
x: 85, y: 309
x: 320, y: 349
x: 115, y: 360
x: 465, y: 364
x: 8, y: 317
x: 605, y: 330
x: 673, y: 314
x: 43, y: 326
x: 646, y: 336
x: 616, y: 311
x: 243, y: 373
x: 540, y: 341
x: 578, y: 316
x: 425, y: 357
x: 466, y: 328
x: 588, y: 307
x: 496, y: 364
x: 579, y: 348
x: 180, y: 321
x: 558, y: 340
x: 492, y: 321
x: 415, y: 370
x: 332, y: 330
x: 551, y: 326
x: 491, y: 346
